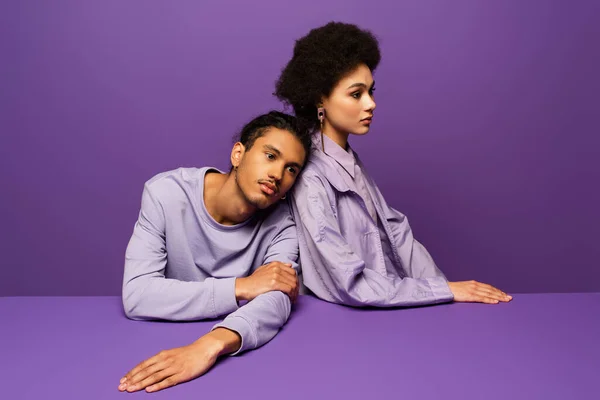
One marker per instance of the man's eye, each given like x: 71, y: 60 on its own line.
x: 270, y: 156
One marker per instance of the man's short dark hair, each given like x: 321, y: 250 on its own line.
x: 274, y: 119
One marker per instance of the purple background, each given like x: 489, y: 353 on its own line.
x: 486, y: 131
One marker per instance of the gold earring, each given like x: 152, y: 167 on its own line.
x: 321, y: 117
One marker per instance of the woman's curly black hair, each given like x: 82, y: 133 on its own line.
x: 320, y: 60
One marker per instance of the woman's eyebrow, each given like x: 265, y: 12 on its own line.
x: 359, y: 84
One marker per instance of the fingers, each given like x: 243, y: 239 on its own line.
x: 296, y: 285
x: 292, y: 282
x: 296, y: 292
x: 168, y: 382
x: 284, y: 268
x: 127, y: 380
x: 285, y: 288
x: 147, y: 376
x: 267, y: 278
x: 291, y: 272
x: 494, y: 295
x: 492, y: 292
x: 473, y: 291
x: 294, y: 295
x: 156, y: 378
x: 491, y: 288
x: 294, y: 289
x: 284, y: 274
x: 480, y: 297
x: 487, y: 300
x: 171, y: 367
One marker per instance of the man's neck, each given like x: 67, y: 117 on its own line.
x: 224, y: 201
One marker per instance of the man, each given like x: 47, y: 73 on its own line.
x: 206, y: 240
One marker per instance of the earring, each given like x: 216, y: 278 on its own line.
x: 321, y: 117
x: 284, y: 197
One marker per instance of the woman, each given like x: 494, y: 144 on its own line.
x: 354, y: 248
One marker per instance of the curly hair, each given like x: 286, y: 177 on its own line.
x: 320, y: 60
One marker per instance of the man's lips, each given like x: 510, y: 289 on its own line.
x: 268, y: 188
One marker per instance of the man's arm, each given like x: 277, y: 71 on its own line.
x: 253, y: 325
x: 170, y: 367
x: 249, y: 327
x: 147, y: 294
x: 259, y: 320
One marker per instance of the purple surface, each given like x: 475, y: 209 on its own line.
x: 485, y: 135
x: 538, y: 346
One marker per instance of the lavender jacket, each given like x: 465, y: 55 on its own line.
x: 348, y: 258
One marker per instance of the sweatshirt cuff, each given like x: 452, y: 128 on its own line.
x: 243, y: 328
x: 223, y: 296
x: 440, y: 289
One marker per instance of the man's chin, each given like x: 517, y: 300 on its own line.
x: 264, y: 203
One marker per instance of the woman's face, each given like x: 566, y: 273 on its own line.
x: 349, y: 108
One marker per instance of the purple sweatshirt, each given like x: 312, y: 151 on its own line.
x: 181, y: 265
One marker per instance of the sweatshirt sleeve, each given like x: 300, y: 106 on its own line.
x: 259, y: 320
x: 148, y: 294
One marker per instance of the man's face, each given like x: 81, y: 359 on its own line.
x: 268, y: 170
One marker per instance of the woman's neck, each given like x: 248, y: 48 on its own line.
x: 339, y: 137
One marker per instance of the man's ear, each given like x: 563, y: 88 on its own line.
x: 237, y: 153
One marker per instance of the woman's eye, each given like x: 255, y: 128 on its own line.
x: 292, y: 170
x: 356, y: 95
x: 270, y: 156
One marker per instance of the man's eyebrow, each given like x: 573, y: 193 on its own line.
x: 295, y: 164
x: 272, y: 148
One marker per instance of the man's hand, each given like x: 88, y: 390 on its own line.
x: 170, y: 367
x: 472, y: 291
x: 273, y: 276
